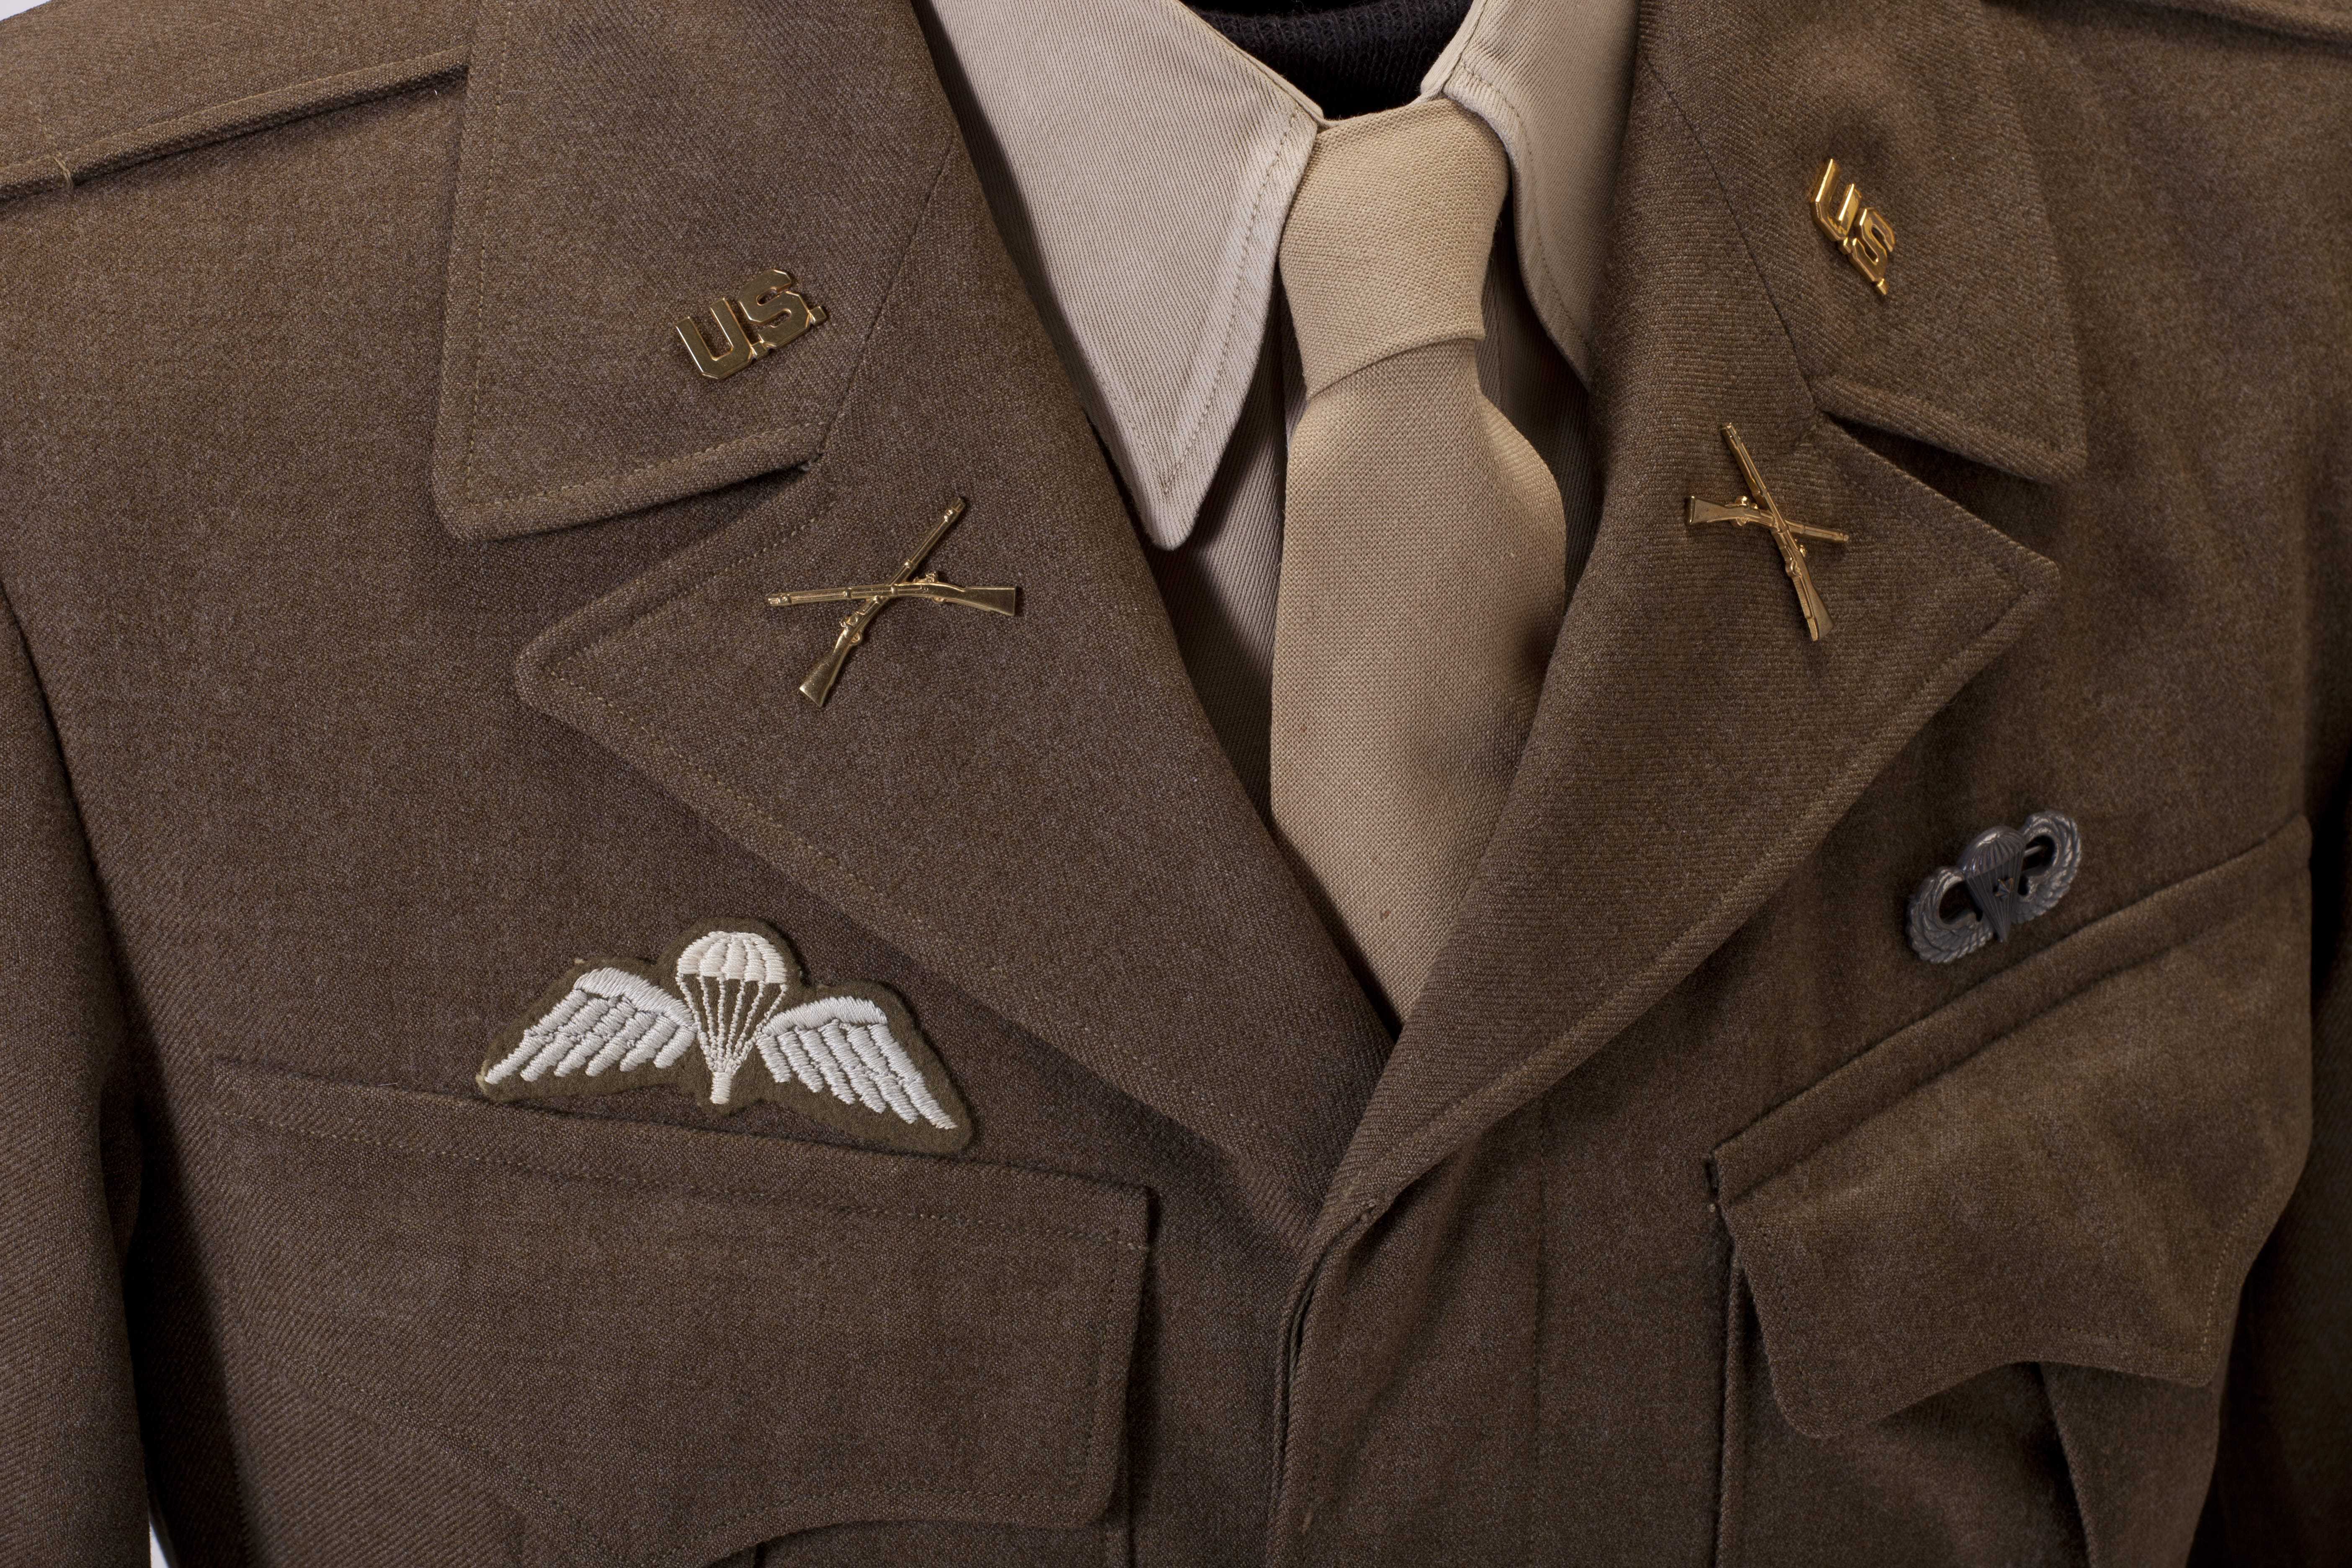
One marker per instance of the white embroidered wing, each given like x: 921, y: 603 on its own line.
x: 844, y: 1046
x: 611, y: 1021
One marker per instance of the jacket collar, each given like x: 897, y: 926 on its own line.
x: 1692, y: 747
x: 1972, y: 347
x: 620, y: 168
x: 1035, y: 810
x: 623, y: 165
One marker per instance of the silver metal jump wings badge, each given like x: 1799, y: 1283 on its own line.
x: 727, y: 1017
x: 2006, y: 877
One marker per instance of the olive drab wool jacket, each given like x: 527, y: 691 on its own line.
x: 993, y: 1160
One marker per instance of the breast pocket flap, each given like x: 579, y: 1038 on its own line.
x: 2075, y: 1162
x: 670, y: 1343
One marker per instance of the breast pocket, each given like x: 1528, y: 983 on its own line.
x: 647, y: 1344
x: 1986, y: 1273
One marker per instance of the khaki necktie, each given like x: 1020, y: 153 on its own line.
x: 1424, y: 553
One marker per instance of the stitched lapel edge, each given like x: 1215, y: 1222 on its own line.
x: 778, y: 415
x: 1402, y: 1135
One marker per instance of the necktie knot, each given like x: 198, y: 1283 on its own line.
x: 1387, y: 242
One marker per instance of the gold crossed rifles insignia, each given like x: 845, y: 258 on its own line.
x: 1763, y: 511
x: 872, y: 597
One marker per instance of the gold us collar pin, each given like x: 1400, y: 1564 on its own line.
x: 1861, y: 232
x: 872, y: 597
x: 1763, y: 511
x: 762, y: 315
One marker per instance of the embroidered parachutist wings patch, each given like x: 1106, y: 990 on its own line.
x: 726, y: 1016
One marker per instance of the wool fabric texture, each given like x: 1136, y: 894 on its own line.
x: 360, y: 670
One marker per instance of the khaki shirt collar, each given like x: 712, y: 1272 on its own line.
x: 1142, y: 167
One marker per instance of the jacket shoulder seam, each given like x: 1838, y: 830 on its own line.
x: 62, y: 168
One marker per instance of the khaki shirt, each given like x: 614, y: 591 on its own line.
x: 1142, y: 170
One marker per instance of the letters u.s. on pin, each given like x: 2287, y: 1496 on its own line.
x: 1861, y: 232
x: 759, y: 318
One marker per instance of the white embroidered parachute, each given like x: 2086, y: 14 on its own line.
x: 850, y: 1055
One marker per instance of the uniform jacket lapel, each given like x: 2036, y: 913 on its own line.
x: 1034, y: 809
x: 1692, y: 747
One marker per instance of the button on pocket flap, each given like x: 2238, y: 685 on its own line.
x: 2075, y: 1162
x: 672, y: 1343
